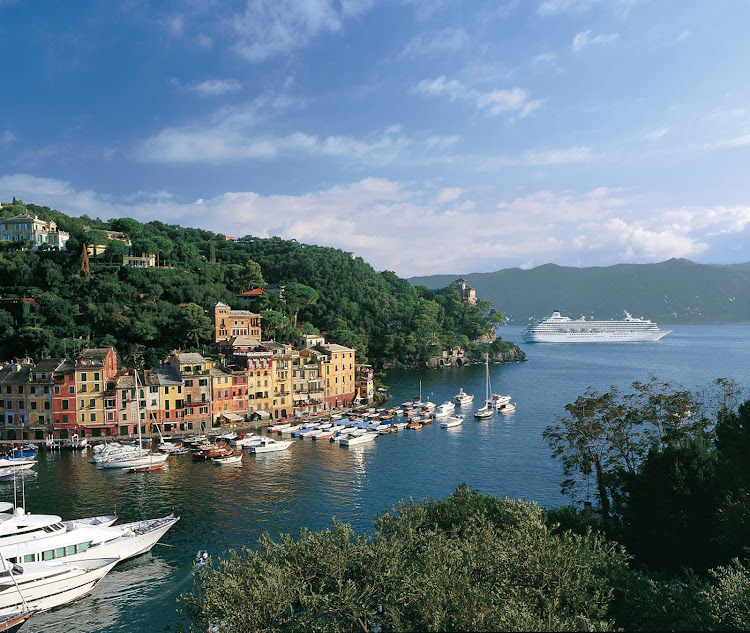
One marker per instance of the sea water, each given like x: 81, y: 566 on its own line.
x: 225, y: 506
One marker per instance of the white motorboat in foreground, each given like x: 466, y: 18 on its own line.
x: 43, y: 586
x: 508, y: 407
x: 28, y: 538
x: 269, y: 445
x: 498, y: 401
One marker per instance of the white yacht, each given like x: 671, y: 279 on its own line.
x: 42, y: 586
x: 498, y: 401
x: 29, y: 538
x: 462, y: 398
x: 560, y: 329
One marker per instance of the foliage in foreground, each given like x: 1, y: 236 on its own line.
x: 469, y: 562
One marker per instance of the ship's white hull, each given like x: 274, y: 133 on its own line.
x: 46, y: 593
x: 593, y: 337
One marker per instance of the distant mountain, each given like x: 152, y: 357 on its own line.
x: 676, y: 291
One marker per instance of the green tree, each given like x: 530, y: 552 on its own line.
x: 471, y: 562
x: 298, y: 296
x: 195, y: 325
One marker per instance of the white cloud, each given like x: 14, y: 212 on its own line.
x: 7, y: 137
x: 495, y: 102
x: 215, y: 86
x: 449, y: 40
x: 270, y: 27
x: 584, y: 39
x: 449, y: 194
x: 385, y: 222
x: 557, y: 7
x: 656, y: 134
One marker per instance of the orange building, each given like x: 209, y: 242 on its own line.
x: 229, y: 323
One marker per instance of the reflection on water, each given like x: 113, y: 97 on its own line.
x: 223, y: 507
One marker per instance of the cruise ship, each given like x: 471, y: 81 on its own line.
x: 560, y: 329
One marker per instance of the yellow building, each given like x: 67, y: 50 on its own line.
x: 337, y: 374
x: 94, y: 369
x: 282, y: 402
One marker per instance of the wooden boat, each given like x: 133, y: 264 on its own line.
x: 414, y: 426
x: 146, y: 468
x: 13, y: 622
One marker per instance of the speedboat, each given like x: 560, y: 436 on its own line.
x: 462, y: 398
x: 453, y: 420
x: 358, y: 438
x: 507, y: 408
x: 228, y: 459
x: 269, y: 445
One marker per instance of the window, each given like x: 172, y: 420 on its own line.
x: 65, y: 419
x: 33, y: 389
x: 33, y: 405
x: 65, y: 405
x: 92, y: 417
x: 92, y: 402
x: 57, y: 390
x: 48, y: 555
x: 96, y: 375
x: 84, y: 376
x: 29, y: 558
x: 71, y: 389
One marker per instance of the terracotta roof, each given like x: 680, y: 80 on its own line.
x: 252, y: 293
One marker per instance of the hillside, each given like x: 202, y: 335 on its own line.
x: 50, y: 304
x: 676, y: 291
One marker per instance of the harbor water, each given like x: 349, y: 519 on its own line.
x: 229, y: 506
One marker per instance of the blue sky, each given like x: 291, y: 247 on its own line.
x: 428, y: 136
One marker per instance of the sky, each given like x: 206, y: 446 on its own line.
x: 427, y: 136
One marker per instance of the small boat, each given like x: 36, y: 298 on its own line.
x: 360, y: 438
x: 507, y: 408
x: 228, y: 459
x: 414, y: 425
x: 269, y: 445
x: 462, y: 398
x: 146, y: 468
x: 488, y: 409
x: 499, y: 400
x: 201, y: 558
x: 454, y: 420
x: 445, y: 409
x: 13, y: 622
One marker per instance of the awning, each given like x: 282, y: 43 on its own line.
x: 233, y: 417
x: 263, y: 415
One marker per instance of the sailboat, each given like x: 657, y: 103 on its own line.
x: 488, y: 409
x: 136, y: 461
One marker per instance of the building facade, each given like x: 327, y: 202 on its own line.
x: 32, y: 229
x: 229, y: 323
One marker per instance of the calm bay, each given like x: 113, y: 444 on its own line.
x: 225, y: 507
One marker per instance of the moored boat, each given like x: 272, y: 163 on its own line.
x: 462, y: 398
x: 269, y: 445
x: 454, y: 420
x: 43, y: 586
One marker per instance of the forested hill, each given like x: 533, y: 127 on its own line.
x: 148, y: 312
x: 675, y: 291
